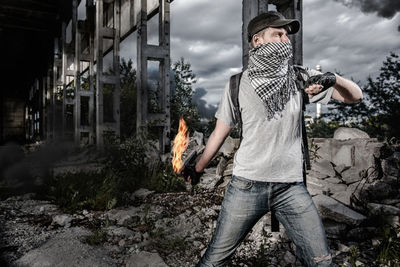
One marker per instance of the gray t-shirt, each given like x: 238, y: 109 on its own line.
x: 270, y: 150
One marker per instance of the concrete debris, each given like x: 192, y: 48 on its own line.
x: 344, y: 133
x: 336, y: 211
x: 382, y: 209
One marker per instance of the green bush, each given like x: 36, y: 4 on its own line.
x: 127, y: 168
x: 78, y: 191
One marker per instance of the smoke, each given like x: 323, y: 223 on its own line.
x: 384, y: 8
x: 21, y: 172
x: 205, y: 110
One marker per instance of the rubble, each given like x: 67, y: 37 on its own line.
x: 174, y: 229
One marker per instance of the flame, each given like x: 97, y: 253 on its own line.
x: 180, y: 143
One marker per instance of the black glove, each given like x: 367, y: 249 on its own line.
x: 327, y: 80
x: 190, y: 175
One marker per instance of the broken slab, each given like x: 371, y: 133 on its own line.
x: 324, y: 167
x: 145, y: 259
x: 382, y: 209
x: 66, y: 249
x: 336, y: 211
x: 334, y: 229
x: 343, y: 197
x: 351, y: 175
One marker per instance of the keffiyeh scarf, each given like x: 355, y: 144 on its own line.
x: 271, y: 76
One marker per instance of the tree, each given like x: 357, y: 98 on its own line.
x: 379, y: 111
x: 128, y: 98
x: 182, y: 94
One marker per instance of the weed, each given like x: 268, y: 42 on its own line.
x: 313, y: 150
x: 388, y: 250
x: 98, y: 237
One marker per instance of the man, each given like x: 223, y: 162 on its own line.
x: 267, y: 172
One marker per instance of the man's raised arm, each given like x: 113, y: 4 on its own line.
x: 346, y: 91
x: 215, y: 141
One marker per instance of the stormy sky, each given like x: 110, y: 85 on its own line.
x: 350, y: 36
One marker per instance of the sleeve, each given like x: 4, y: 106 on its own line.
x: 226, y: 111
x: 323, y: 97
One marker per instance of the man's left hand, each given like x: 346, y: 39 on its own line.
x: 318, y: 83
x: 191, y: 175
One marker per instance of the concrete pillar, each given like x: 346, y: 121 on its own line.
x: 102, y: 32
x: 64, y: 76
x: 76, y: 35
x: 293, y: 9
x: 250, y: 9
x: 160, y: 53
x: 99, y: 73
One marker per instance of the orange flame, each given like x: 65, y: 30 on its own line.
x: 180, y: 143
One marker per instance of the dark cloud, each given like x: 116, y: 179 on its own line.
x: 384, y: 8
x: 205, y: 110
x: 207, y: 33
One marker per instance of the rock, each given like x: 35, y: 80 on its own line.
x: 390, y: 201
x: 334, y: 188
x: 145, y: 259
x: 334, y: 229
x: 334, y: 210
x: 228, y: 170
x: 62, y: 220
x: 344, y: 133
x: 198, y: 137
x: 382, y: 209
x: 229, y: 147
x: 324, y: 167
x: 65, y: 249
x: 142, y: 193
x: 212, y: 170
x: 392, y: 220
x: 314, y: 189
x: 119, y: 231
x: 343, y: 197
x: 289, y: 258
x: 389, y: 167
x: 316, y: 174
x: 208, y: 180
x: 122, y: 243
x: 351, y: 175
x: 343, y: 248
x: 221, y: 166
x: 333, y: 180
x: 376, y: 191
x: 340, y: 168
x: 124, y: 217
x: 359, y: 263
x: 344, y: 154
x: 362, y: 233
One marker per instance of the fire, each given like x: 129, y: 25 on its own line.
x: 180, y: 143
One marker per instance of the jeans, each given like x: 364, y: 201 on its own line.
x: 246, y: 201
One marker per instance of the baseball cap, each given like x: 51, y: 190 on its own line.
x: 271, y: 19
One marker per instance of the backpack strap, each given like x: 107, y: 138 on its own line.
x: 234, y: 84
x: 301, y: 77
